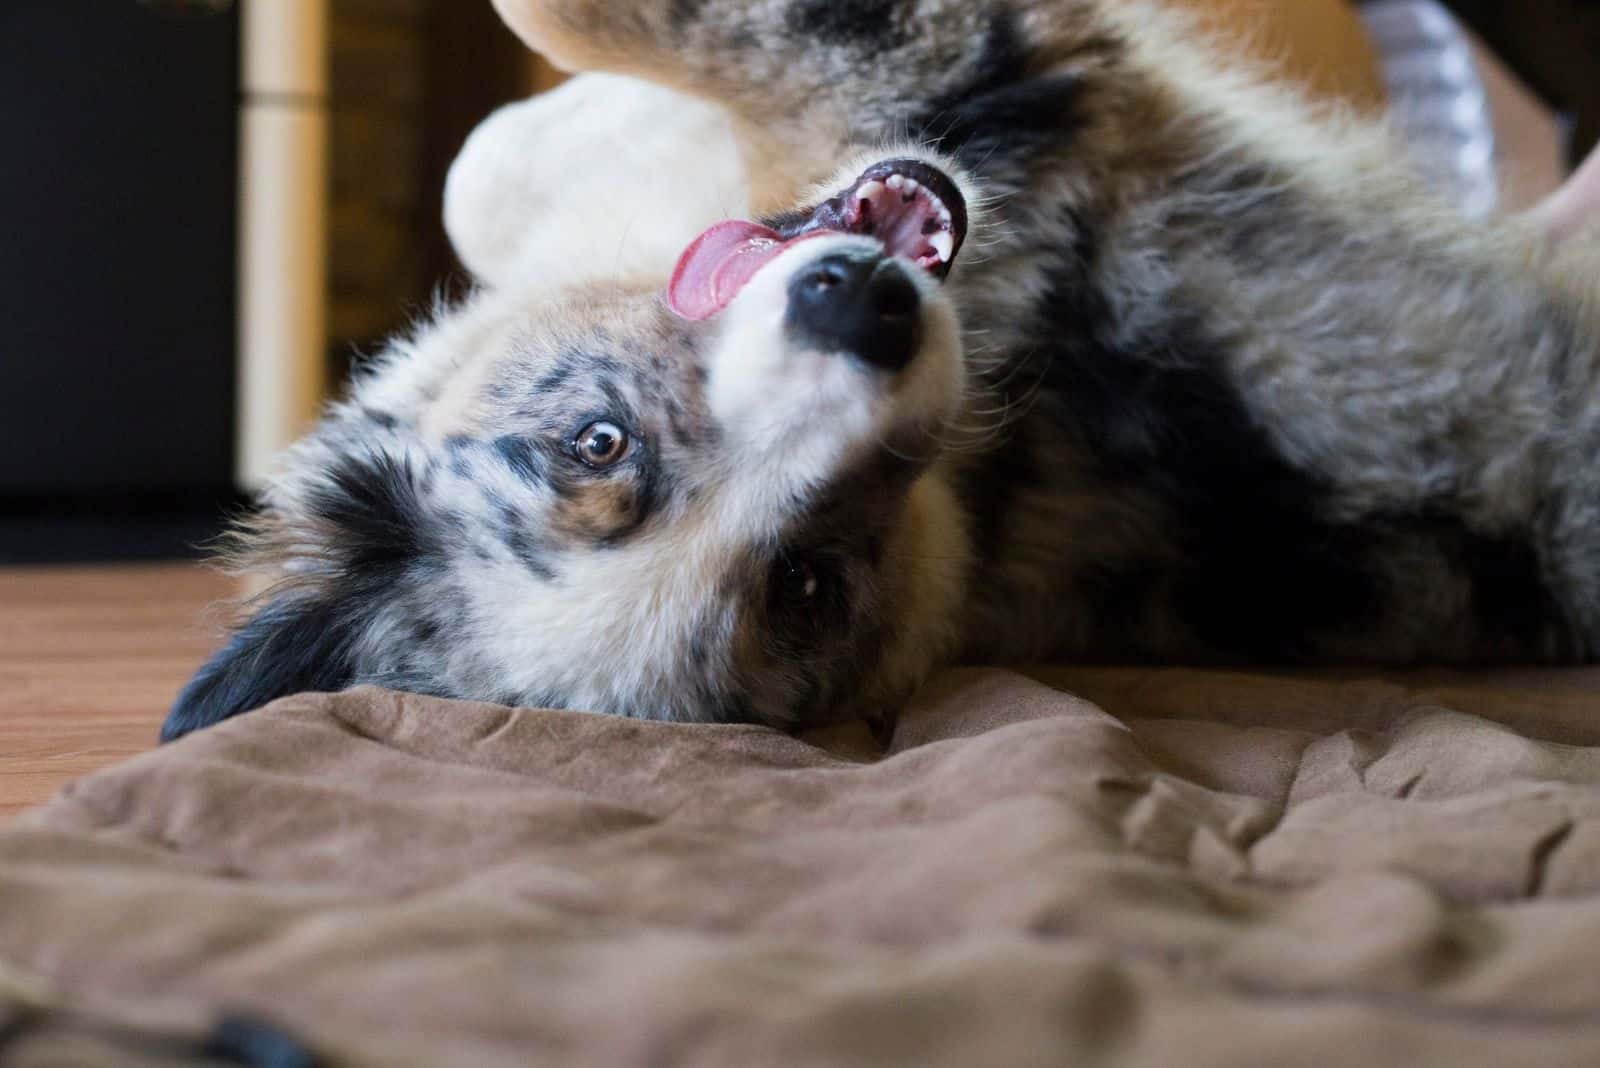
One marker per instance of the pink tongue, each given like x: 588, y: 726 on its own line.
x: 718, y: 263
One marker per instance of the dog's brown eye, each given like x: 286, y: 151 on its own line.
x: 798, y: 580
x: 601, y: 444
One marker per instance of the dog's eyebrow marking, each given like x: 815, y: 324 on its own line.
x: 684, y: 430
x: 514, y: 531
x: 617, y: 406
x: 525, y: 458
x: 869, y: 24
x: 682, y: 12
x: 558, y: 376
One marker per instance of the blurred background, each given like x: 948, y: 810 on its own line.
x: 214, y: 209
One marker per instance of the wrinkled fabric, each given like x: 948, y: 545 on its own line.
x: 1068, y: 866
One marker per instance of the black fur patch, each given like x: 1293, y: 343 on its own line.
x: 373, y: 502
x: 1159, y: 414
x: 987, y: 487
x: 1262, y: 571
x: 650, y: 490
x: 290, y: 646
x: 1511, y: 597
x: 824, y: 642
x: 303, y: 641
x: 872, y: 25
x: 513, y: 529
x: 525, y: 458
x: 1002, y: 112
x: 684, y: 432
x: 681, y: 14
x: 559, y: 375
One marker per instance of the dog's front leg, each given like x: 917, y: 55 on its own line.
x: 804, y: 78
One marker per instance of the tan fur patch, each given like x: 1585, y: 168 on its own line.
x: 595, y: 511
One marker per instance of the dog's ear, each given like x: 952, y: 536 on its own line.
x: 295, y: 643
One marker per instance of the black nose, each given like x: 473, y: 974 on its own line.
x: 859, y: 303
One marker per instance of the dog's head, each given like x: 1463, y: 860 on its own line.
x: 706, y: 505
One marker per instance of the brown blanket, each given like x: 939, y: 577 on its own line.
x: 1193, y: 869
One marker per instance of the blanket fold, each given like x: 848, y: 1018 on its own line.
x: 1101, y: 866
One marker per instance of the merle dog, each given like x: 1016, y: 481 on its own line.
x: 1080, y: 348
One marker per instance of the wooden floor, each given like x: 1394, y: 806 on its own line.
x: 89, y: 660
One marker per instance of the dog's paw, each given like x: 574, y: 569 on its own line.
x: 605, y: 176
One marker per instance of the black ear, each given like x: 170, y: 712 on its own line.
x: 294, y: 644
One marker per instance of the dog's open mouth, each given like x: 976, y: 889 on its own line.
x: 912, y: 208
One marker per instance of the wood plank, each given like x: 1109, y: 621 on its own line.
x: 90, y: 658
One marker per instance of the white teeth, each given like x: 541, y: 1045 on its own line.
x: 930, y: 213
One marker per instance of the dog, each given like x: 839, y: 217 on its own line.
x: 1079, y: 347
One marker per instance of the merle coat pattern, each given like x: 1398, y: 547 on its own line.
x: 1212, y: 381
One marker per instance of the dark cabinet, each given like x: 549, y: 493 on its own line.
x: 118, y: 123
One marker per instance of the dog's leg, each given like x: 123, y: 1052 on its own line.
x: 804, y: 78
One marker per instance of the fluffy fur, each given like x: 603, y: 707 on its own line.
x: 1213, y: 381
